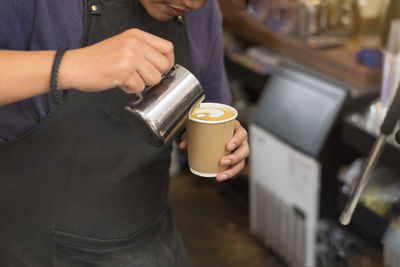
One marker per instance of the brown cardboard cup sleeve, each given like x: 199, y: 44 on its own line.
x: 207, y: 143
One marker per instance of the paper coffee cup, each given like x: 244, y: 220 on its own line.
x: 209, y: 127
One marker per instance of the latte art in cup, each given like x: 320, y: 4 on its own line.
x: 212, y: 114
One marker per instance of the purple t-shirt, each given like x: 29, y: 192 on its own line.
x: 48, y: 24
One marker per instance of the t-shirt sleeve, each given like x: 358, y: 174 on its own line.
x: 207, y: 52
x: 16, y: 22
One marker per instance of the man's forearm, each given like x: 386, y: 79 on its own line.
x: 24, y: 74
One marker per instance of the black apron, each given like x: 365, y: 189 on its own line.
x: 81, y: 189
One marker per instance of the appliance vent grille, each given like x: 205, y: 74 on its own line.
x: 281, y: 226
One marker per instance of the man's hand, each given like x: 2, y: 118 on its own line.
x: 130, y: 60
x: 239, y: 148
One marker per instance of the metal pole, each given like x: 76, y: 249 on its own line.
x: 369, y: 166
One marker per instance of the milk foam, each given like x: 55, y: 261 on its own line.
x: 212, y: 113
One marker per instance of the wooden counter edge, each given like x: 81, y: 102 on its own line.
x: 339, y: 62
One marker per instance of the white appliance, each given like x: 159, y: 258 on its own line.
x: 293, y: 119
x: 284, y: 197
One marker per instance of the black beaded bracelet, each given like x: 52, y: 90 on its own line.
x: 54, y: 75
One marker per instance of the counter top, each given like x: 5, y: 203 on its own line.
x: 340, y: 62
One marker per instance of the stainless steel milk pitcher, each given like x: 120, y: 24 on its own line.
x: 158, y: 112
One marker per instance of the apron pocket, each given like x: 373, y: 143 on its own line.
x: 116, y: 101
x: 153, y: 246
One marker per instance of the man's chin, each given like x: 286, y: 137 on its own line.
x: 164, y: 18
x: 161, y: 16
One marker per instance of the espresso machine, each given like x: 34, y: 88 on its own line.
x: 387, y: 127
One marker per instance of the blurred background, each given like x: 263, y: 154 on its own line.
x: 312, y: 81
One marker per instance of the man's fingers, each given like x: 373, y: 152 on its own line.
x: 232, y: 171
x: 133, y: 85
x: 163, y: 46
x: 158, y: 59
x: 240, y: 134
x: 183, y: 143
x: 149, y: 73
x: 239, y: 154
